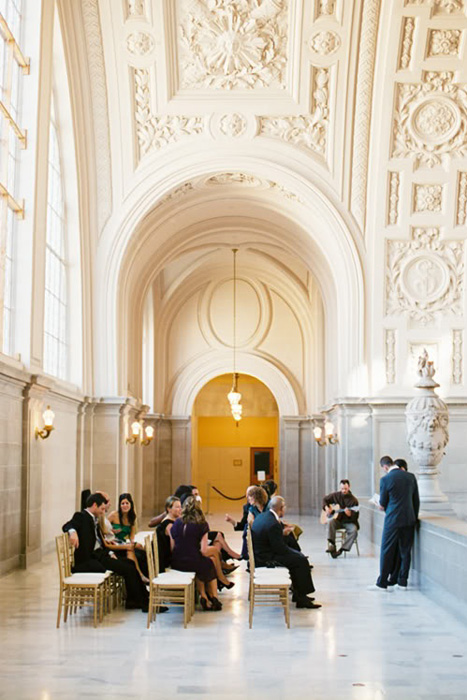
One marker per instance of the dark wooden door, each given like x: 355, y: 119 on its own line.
x: 261, y: 460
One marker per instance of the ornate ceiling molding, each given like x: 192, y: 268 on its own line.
x: 430, y: 121
x: 424, y: 276
x: 99, y: 101
x: 362, y: 121
x: 232, y: 44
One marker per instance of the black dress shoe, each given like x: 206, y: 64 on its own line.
x: 307, y: 603
x: 334, y: 555
x: 216, y: 603
x: 221, y: 585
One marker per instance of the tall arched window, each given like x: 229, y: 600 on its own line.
x: 55, y: 303
x: 12, y: 138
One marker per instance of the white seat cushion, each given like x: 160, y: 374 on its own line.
x: 169, y: 580
x: 83, y: 579
x: 278, y: 578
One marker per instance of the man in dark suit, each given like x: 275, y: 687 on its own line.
x: 91, y: 555
x: 400, y: 500
x: 270, y: 549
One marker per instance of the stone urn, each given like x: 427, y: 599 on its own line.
x: 427, y: 422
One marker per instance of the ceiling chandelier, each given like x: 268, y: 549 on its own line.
x: 234, y: 395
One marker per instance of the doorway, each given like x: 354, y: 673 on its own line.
x: 261, y: 464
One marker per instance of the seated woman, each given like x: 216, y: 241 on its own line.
x: 173, y: 510
x: 257, y: 498
x: 189, y: 543
x: 124, y: 527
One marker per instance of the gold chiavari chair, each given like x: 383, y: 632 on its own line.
x: 171, y: 588
x: 78, y: 590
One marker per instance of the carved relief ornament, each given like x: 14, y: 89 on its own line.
x: 444, y: 42
x: 325, y: 43
x: 440, y: 6
x: 430, y: 120
x: 155, y: 131
x: 231, y: 44
x: 309, y: 131
x: 139, y: 43
x: 424, y: 276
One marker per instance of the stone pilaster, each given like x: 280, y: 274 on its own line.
x: 181, y: 450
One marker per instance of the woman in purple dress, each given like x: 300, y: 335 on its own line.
x: 189, y: 538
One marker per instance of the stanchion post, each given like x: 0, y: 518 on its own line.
x: 208, y: 498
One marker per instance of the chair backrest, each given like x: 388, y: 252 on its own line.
x: 150, y: 557
x: 155, y: 549
x: 63, y: 555
x: 251, y: 554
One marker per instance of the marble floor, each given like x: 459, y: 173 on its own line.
x: 361, y: 645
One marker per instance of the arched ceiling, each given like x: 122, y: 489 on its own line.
x: 362, y: 102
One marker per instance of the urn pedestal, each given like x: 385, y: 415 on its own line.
x: 427, y: 421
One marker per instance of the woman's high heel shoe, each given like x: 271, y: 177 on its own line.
x: 204, y: 603
x: 221, y: 585
x: 216, y: 603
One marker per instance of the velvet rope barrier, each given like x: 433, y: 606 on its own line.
x: 229, y: 498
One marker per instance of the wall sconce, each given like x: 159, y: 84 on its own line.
x: 149, y: 432
x: 137, y: 431
x: 330, y: 437
x: 48, y: 418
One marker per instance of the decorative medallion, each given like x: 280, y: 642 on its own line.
x: 431, y: 120
x: 139, y: 43
x: 325, y: 43
x: 232, y: 125
x: 425, y: 276
x: 231, y: 44
x: 444, y: 42
x: 428, y: 198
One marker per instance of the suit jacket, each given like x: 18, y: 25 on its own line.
x: 268, y: 539
x: 83, y: 523
x: 399, y: 498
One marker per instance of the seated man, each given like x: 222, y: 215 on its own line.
x: 91, y: 555
x: 344, y: 517
x: 270, y: 549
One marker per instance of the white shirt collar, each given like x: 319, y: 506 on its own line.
x: 393, y: 467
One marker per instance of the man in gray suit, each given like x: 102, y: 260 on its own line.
x: 400, y: 500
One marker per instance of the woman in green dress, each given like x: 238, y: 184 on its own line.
x: 124, y: 526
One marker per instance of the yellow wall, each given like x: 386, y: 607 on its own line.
x: 219, y: 443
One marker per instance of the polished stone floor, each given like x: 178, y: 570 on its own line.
x: 361, y: 645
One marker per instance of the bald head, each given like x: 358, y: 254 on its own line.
x: 277, y: 504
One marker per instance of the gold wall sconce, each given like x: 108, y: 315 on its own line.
x: 329, y: 437
x: 145, y: 435
x: 48, y: 418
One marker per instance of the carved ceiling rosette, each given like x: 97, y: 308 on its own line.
x: 424, y: 276
x: 430, y: 121
x: 230, y: 44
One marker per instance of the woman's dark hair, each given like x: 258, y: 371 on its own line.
x: 170, y: 501
x: 131, y: 515
x: 191, y: 511
x: 270, y: 486
x: 401, y: 463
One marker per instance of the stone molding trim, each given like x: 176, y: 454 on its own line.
x: 457, y: 355
x: 462, y: 199
x: 364, y: 97
x: 100, y: 107
x: 232, y: 44
x: 424, y: 276
x: 430, y: 120
x: 406, y: 43
x: 393, y: 203
x: 390, y: 355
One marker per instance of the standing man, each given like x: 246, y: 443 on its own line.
x: 345, y: 519
x: 92, y: 556
x: 269, y: 547
x: 400, y: 500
